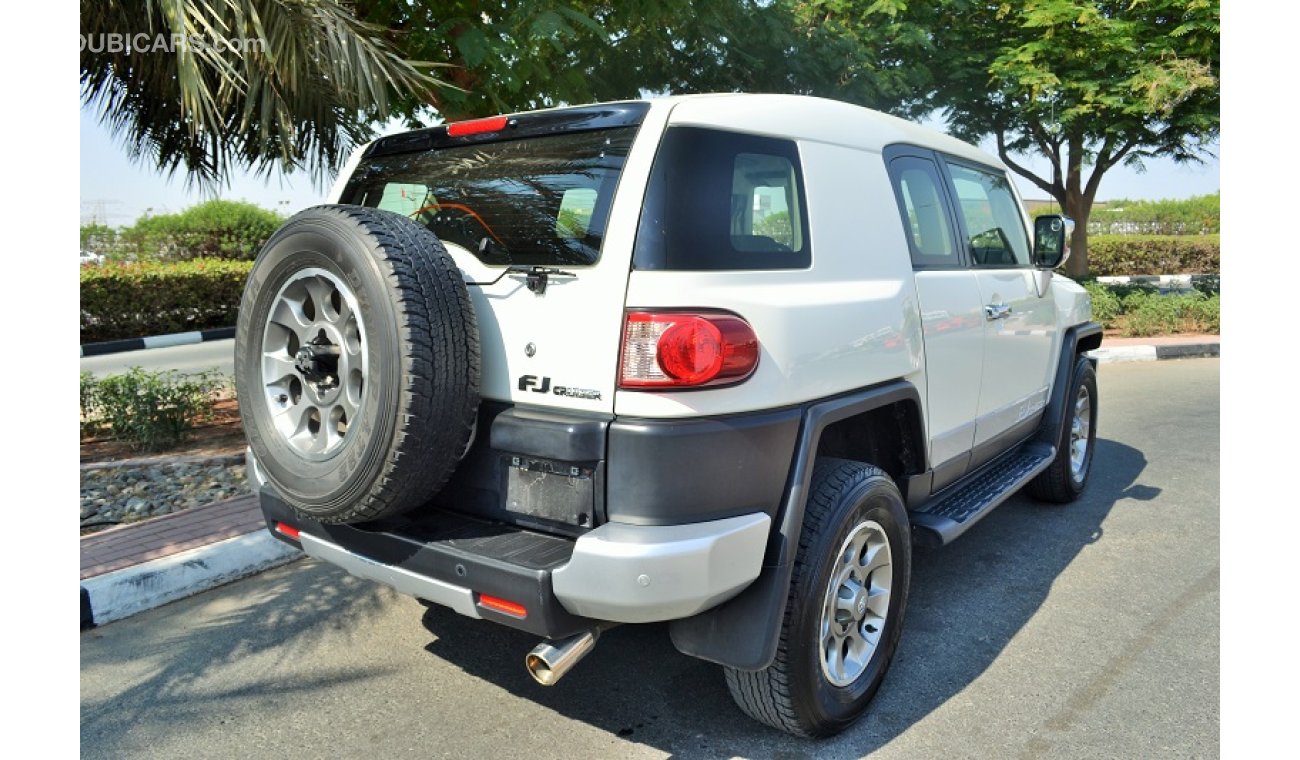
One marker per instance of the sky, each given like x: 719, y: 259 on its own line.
x: 116, y: 191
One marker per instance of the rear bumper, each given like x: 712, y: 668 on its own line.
x: 616, y: 572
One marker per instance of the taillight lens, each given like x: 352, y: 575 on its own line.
x: 686, y: 350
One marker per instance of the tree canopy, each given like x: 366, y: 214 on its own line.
x: 1086, y: 84
x: 202, y: 86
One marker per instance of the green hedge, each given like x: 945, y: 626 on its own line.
x: 1140, y: 310
x: 150, y: 298
x: 1110, y: 255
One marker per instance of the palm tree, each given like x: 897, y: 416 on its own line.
x: 204, y: 86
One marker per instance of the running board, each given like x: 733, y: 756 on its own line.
x: 949, y: 516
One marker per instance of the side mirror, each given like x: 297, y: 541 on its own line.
x: 1052, y: 240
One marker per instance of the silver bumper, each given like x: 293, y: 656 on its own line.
x: 644, y: 573
x: 459, y: 599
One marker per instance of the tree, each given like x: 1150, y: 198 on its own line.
x: 206, y: 85
x: 322, y: 72
x: 515, y: 55
x: 1082, y: 83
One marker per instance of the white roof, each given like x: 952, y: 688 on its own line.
x: 804, y: 117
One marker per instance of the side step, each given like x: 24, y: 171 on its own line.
x: 951, y: 514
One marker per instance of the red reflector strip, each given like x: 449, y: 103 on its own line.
x: 501, y: 605
x: 287, y: 530
x: 476, y: 126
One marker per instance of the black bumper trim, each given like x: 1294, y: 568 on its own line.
x: 485, y: 557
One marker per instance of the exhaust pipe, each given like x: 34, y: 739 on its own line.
x: 551, y: 659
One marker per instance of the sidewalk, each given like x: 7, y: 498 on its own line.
x: 133, y: 568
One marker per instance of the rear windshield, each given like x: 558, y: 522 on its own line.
x: 721, y: 200
x: 540, y: 200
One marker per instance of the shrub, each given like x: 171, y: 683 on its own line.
x: 1110, y: 255
x: 135, y: 300
x: 216, y: 229
x: 1105, y: 303
x: 1205, y: 314
x: 149, y: 410
x: 1148, y: 314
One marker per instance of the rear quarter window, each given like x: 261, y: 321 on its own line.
x: 723, y: 201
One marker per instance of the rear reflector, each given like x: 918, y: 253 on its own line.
x: 502, y: 605
x: 287, y: 530
x: 477, y: 126
x: 686, y: 350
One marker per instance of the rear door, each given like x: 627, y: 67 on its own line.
x: 557, y: 189
x: 951, y: 309
x: 1019, y: 325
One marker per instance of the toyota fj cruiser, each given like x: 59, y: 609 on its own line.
x: 715, y: 360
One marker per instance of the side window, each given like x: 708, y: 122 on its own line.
x: 764, y: 192
x: 926, y: 220
x: 994, y: 225
x: 721, y: 200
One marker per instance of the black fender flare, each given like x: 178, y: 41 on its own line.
x: 744, y: 631
x: 1074, y: 341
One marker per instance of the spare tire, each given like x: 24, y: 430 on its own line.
x: 356, y: 363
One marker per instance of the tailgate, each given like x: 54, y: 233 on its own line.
x: 559, y: 190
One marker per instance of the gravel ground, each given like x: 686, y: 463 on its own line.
x: 114, y: 495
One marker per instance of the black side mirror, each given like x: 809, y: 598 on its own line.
x: 1052, y: 240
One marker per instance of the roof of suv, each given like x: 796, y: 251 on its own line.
x: 811, y: 118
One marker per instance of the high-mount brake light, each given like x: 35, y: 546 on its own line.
x: 477, y: 126
x: 686, y: 350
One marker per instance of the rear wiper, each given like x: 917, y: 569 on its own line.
x: 537, y: 276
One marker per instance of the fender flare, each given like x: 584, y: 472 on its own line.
x: 743, y: 632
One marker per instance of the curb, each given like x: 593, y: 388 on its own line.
x: 156, y: 341
x: 131, y: 590
x: 1149, y: 353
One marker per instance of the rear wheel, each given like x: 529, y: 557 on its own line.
x: 845, y: 611
x: 356, y: 363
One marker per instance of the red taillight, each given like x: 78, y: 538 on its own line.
x: 287, y: 530
x: 686, y: 350
x: 502, y: 605
x: 477, y: 126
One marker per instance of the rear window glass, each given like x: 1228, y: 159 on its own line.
x: 720, y: 200
x: 540, y: 200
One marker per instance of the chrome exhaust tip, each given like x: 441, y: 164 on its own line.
x: 550, y: 660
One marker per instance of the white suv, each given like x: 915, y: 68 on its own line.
x: 716, y: 360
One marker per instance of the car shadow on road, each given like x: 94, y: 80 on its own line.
x: 968, y: 601
x: 183, y: 662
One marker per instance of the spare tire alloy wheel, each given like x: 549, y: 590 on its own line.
x: 314, y: 362
x: 356, y: 363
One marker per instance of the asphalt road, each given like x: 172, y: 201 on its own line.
x: 196, y: 357
x: 1083, y: 631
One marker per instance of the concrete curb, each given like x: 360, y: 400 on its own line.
x: 1150, y: 353
x: 126, y: 592
x: 156, y: 341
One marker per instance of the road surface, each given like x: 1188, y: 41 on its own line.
x: 1090, y: 630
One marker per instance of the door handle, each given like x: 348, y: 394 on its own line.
x: 997, y: 311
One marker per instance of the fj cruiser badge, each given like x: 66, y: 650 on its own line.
x: 543, y: 385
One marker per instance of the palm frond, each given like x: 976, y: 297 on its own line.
x: 259, y: 84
